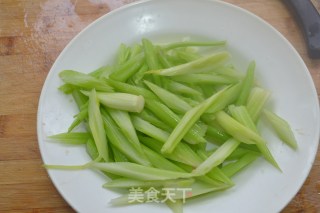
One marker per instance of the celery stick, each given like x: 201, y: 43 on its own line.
x: 234, y: 167
x: 129, y: 183
x: 187, y: 56
x: 241, y: 114
x: 127, y: 88
x: 282, y: 128
x: 139, y: 172
x: 174, y: 45
x: 187, y: 121
x: 125, y: 71
x: 218, y: 136
x: 163, y: 58
x: 137, y: 77
x: 176, y: 207
x: 204, y: 78
x: 257, y: 99
x: 96, y: 126
x: 91, y: 149
x: 118, y: 156
x: 247, y: 84
x: 81, y: 116
x: 121, y: 101
x: 79, y: 98
x: 217, y: 157
x: 135, y: 50
x: 147, y: 115
x: 201, y: 65
x: 151, y: 55
x: 123, y: 120
x: 119, y: 141
x: 72, y: 137
x: 84, y: 81
x: 170, y: 99
x: 123, y: 54
x: 66, y: 88
x: 174, y: 86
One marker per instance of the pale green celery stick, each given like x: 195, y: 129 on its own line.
x: 241, y: 114
x: 176, y: 206
x: 91, y: 149
x: 124, y: 71
x: 229, y: 70
x: 96, y: 126
x: 84, y: 81
x: 135, y: 50
x: 119, y: 141
x: 177, y: 87
x: 123, y: 120
x: 174, y: 59
x: 187, y: 121
x: 218, y: 136
x: 245, y: 134
x: 247, y: 84
x: 79, y: 98
x: 146, y: 115
x: 137, y: 77
x: 81, y: 116
x: 205, y: 78
x: 214, y: 173
x: 225, y: 99
x: 66, y: 88
x: 121, y: 101
x: 170, y: 99
x: 159, y: 161
x: 257, y: 99
x: 199, y: 188
x: 240, y: 152
x: 139, y: 172
x: 107, y: 70
x: 123, y: 54
x: 190, y: 101
x: 118, y: 156
x: 183, y: 153
x: 151, y: 55
x: 282, y: 128
x: 99, y: 72
x: 163, y: 58
x: 206, y: 89
x: 187, y: 56
x: 72, y: 137
x: 193, y: 43
x: 127, y: 88
x: 149, y: 129
x: 234, y: 167
x: 217, y: 157
x: 129, y: 183
x: 203, y: 64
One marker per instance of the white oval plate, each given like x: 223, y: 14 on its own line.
x: 261, y: 188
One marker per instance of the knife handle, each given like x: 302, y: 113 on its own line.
x: 309, y: 19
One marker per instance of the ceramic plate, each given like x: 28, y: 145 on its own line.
x: 261, y: 188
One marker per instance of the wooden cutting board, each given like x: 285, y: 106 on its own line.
x: 32, y: 34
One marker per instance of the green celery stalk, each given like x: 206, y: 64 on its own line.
x: 139, y: 172
x: 241, y: 114
x: 123, y: 54
x: 282, y: 128
x: 217, y: 157
x: 218, y: 136
x: 174, y: 45
x: 84, y: 81
x: 151, y: 55
x: 257, y: 99
x: 176, y: 206
x: 205, y: 78
x: 118, y: 156
x: 174, y: 86
x: 91, y: 149
x: 247, y: 84
x: 81, y: 116
x: 72, y: 137
x: 201, y: 65
x: 96, y: 126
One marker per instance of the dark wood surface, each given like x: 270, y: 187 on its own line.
x: 32, y: 34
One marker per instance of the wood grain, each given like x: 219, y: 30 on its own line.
x: 32, y: 34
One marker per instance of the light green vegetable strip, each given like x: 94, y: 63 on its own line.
x: 91, y: 149
x: 201, y: 65
x: 81, y: 116
x: 118, y: 156
x: 204, y: 78
x: 151, y: 55
x: 187, y: 55
x: 234, y: 167
x: 217, y: 157
x: 282, y: 128
x: 257, y: 99
x: 72, y: 137
x: 135, y: 50
x: 171, y: 100
x: 124, y: 71
x: 187, y: 121
x: 96, y: 126
x: 84, y: 81
x: 121, y: 101
x: 174, y: 86
x: 66, y: 88
x: 241, y: 114
x: 127, y: 88
x: 163, y: 58
x: 79, y: 98
x: 146, y: 115
x: 123, y: 120
x: 245, y: 134
x: 174, y: 45
x: 119, y: 141
x: 139, y: 172
x: 128, y: 183
x: 138, y: 77
x: 176, y: 207
x: 247, y: 84
x: 123, y: 54
x: 183, y: 153
x: 218, y: 136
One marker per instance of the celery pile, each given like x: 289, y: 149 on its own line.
x: 169, y: 116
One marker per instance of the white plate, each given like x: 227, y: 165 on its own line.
x: 261, y: 188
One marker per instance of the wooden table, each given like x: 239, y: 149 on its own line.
x: 32, y: 34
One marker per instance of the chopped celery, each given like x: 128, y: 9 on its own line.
x: 247, y: 84
x: 282, y: 128
x: 256, y: 101
x: 72, y: 137
x: 128, y: 183
x: 193, y: 43
x: 204, y: 78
